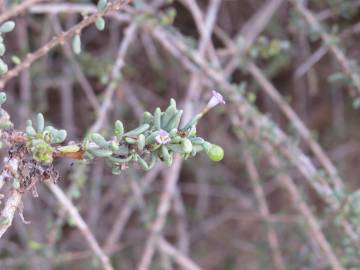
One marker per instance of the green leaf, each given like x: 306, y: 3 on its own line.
x: 147, y: 118
x: 118, y: 129
x: 2, y: 49
x: 168, y: 158
x: 100, y: 152
x: 138, y: 130
x: 141, y: 142
x: 3, y: 67
x: 193, y: 121
x: 101, y: 5
x: 7, y: 27
x: 186, y: 146
x: 99, y: 140
x: 174, y: 121
x: 2, y: 97
x: 60, y: 136
x: 100, y: 23
x: 157, y: 118
x: 40, y: 122
x: 76, y: 44
x: 16, y: 60
x: 30, y: 131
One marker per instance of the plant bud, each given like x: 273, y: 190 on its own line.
x: 15, y: 183
x: 197, y: 140
x: 121, y: 160
x: 175, y: 120
x: 138, y: 130
x: 167, y: 116
x: 143, y: 163
x: 5, y: 124
x: 176, y: 148
x: 173, y: 132
x: 114, y: 146
x: 130, y: 140
x: 151, y: 138
x: 116, y: 170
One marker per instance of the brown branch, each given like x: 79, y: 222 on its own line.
x: 314, y: 227
x: 264, y: 211
x: 58, y: 40
x: 328, y: 41
x: 82, y: 226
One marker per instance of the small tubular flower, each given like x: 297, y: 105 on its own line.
x: 215, y: 99
x: 162, y: 137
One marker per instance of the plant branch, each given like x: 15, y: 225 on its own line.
x: 58, y: 40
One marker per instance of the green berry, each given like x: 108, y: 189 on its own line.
x: 216, y: 153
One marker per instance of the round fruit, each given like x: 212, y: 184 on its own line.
x: 216, y: 153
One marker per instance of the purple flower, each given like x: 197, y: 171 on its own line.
x: 216, y: 99
x: 162, y: 137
